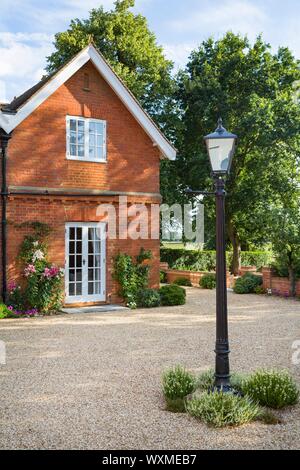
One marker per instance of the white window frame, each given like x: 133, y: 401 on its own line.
x: 86, y: 157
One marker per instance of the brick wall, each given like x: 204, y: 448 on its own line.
x: 193, y: 276
x: 279, y: 285
x: 37, y: 150
x: 56, y: 212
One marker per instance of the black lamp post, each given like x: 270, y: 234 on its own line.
x: 220, y: 146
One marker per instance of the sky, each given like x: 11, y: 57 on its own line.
x: 27, y: 28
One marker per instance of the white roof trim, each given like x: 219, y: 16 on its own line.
x: 9, y: 121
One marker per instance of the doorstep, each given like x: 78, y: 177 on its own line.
x: 94, y: 309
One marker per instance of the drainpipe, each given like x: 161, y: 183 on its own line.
x: 4, y: 195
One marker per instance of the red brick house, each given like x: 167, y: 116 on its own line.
x: 76, y: 140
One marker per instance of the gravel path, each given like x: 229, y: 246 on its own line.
x: 92, y: 381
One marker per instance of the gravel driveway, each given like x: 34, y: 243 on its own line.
x: 92, y: 381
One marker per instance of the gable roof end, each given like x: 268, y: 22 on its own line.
x: 20, y: 108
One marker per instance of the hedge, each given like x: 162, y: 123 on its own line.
x: 194, y: 260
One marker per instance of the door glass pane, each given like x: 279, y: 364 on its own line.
x: 91, y: 247
x: 72, y: 233
x: 91, y: 233
x: 91, y: 288
x: 78, y: 288
x: 79, y: 233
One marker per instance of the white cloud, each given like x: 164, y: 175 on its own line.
x: 178, y: 53
x: 3, y: 97
x: 236, y: 15
x: 22, y: 59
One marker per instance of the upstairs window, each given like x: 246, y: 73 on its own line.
x: 86, y: 139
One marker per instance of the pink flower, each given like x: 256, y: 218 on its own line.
x: 51, y: 272
x: 47, y: 272
x: 30, y: 269
x: 12, y: 285
x: 10, y: 307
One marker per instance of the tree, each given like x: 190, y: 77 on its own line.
x: 129, y: 46
x: 285, y: 221
x: 254, y: 91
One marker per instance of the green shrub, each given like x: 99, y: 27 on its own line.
x: 162, y: 277
x: 172, y: 295
x: 259, y: 290
x: 206, y: 380
x: 5, y: 312
x: 247, y: 283
x: 176, y: 405
x: 177, y: 383
x: 182, y: 281
x: 272, y: 388
x: 196, y: 260
x: 222, y: 409
x: 208, y: 281
x: 132, y: 275
x: 148, y: 298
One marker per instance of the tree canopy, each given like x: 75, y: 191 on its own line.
x: 128, y: 45
x: 254, y: 92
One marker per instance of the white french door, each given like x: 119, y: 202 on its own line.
x: 85, y: 262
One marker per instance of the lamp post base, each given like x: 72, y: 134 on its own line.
x: 222, y: 388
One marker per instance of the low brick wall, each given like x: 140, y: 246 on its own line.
x: 247, y: 269
x: 193, y: 276
x: 278, y: 285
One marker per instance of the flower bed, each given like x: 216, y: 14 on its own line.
x: 42, y: 286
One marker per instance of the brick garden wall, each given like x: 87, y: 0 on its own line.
x: 279, y: 285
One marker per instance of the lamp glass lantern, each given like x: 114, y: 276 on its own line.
x: 220, y: 146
